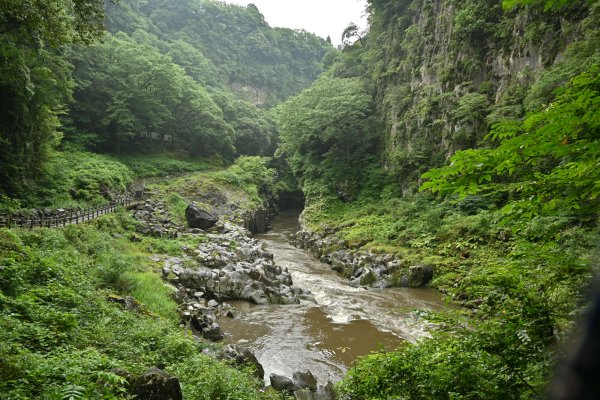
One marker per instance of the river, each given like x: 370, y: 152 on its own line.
x: 326, y: 337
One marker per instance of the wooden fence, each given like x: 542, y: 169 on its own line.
x: 58, y: 218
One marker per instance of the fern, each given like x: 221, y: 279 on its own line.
x: 72, y: 392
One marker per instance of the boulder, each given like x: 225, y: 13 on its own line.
x: 368, y: 277
x: 155, y: 384
x: 204, y: 322
x: 200, y: 218
x: 419, y: 275
x: 241, y: 355
x: 305, y: 380
x: 282, y: 383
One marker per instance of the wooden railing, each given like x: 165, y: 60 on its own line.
x: 58, y: 218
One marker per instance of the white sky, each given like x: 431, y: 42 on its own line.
x: 323, y: 17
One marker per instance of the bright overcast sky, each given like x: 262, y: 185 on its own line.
x: 323, y: 17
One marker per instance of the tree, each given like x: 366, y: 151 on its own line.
x: 142, y: 99
x: 350, y: 32
x: 328, y: 133
x: 34, y: 80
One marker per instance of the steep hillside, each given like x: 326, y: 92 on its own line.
x: 446, y: 71
x: 261, y: 64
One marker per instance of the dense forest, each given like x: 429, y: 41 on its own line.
x: 463, y: 136
x: 144, y: 86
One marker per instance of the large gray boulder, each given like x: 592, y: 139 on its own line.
x: 199, y: 217
x: 155, y: 384
x: 282, y: 383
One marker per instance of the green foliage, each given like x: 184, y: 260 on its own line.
x: 79, y: 178
x: 207, y: 382
x: 35, y: 81
x: 519, y: 292
x: 545, y: 165
x: 476, y: 20
x: 176, y: 206
x: 252, y: 175
x: 261, y: 64
x: 328, y: 133
x: 63, y: 336
x: 159, y: 165
x: 548, y: 4
x: 142, y: 99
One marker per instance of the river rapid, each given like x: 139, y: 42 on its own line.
x: 327, y: 337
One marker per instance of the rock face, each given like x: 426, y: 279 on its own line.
x: 419, y: 275
x: 305, y: 380
x: 155, y: 384
x: 198, y: 217
x: 258, y: 221
x: 282, y: 383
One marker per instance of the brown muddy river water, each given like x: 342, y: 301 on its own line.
x: 327, y: 337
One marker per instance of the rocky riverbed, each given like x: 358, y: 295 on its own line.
x: 362, y: 268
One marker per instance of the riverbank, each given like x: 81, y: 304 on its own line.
x: 522, y: 284
x: 85, y: 312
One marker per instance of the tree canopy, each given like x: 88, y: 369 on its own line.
x: 35, y: 80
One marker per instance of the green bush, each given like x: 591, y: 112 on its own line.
x: 64, y: 332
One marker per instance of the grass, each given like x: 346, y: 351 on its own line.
x: 176, y: 206
x: 61, y: 333
x: 159, y: 165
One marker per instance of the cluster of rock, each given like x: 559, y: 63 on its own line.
x: 228, y: 265
x: 363, y: 268
x: 303, y: 386
x: 233, y: 266
x: 201, y: 315
x: 154, y: 220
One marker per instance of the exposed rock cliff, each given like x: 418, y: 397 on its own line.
x: 446, y: 70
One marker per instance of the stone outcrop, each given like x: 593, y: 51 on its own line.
x: 202, y: 320
x: 233, y: 266
x: 155, y: 384
x: 200, y: 217
x: 154, y: 220
x: 419, y: 275
x: 303, y: 385
x: 258, y: 221
x: 282, y: 383
x: 363, y: 268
